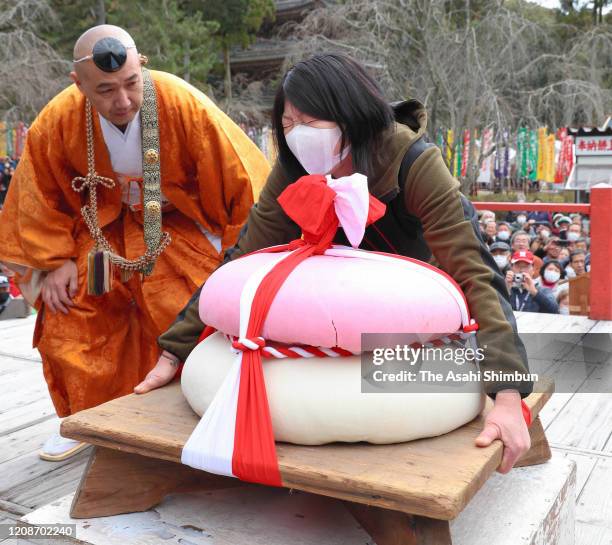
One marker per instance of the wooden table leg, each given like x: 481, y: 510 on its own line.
x: 116, y: 482
x: 388, y: 527
x: 540, y: 450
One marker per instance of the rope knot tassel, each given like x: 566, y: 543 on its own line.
x: 244, y: 343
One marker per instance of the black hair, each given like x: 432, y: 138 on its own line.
x: 575, y: 253
x: 333, y: 87
x: 557, y: 264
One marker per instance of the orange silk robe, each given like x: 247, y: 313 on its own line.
x: 210, y: 171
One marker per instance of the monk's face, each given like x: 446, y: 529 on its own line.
x: 116, y: 96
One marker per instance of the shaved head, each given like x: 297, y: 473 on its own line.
x: 87, y: 40
x: 117, y: 94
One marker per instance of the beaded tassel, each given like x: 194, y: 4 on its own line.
x: 98, y: 272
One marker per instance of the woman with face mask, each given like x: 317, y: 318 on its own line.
x: 551, y: 275
x: 330, y: 118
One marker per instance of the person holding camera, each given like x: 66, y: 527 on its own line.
x: 524, y: 294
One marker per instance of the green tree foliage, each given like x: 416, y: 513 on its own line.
x: 174, y: 37
x: 238, y: 22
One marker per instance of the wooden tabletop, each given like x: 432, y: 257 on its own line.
x: 433, y: 477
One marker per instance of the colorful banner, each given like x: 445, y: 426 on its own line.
x: 12, y: 139
x: 3, y: 152
x: 521, y: 153
x: 440, y: 144
x: 535, y: 154
x: 466, y: 152
x: 542, y: 137
x: 449, y: 148
x: 566, y: 157
x: 457, y: 167
x: 506, y: 169
x: 548, y: 159
x: 532, y: 155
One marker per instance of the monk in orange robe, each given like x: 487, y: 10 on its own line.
x: 96, y: 348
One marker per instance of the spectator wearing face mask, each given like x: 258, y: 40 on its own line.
x: 524, y: 293
x: 501, y: 254
x: 577, y: 265
x: 564, y: 254
x: 583, y: 222
x: 520, y: 241
x: 562, y: 224
x: 490, y: 232
x: 486, y: 216
x: 582, y: 244
x: 503, y: 232
x: 550, y: 276
x: 574, y: 232
x: 520, y: 221
x: 563, y: 300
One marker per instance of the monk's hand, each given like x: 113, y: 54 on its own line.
x: 59, y: 287
x: 163, y: 372
x: 505, y: 421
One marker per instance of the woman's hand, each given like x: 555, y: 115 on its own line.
x: 163, y: 372
x: 506, y: 422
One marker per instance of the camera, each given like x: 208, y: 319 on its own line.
x: 517, y: 281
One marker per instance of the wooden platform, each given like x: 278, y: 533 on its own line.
x: 541, y: 498
x: 26, y: 419
x: 433, y: 477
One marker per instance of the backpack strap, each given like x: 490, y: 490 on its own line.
x: 414, y: 151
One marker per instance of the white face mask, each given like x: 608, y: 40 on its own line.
x: 314, y: 148
x: 501, y: 260
x: 544, y: 233
x: 563, y: 310
x: 503, y: 235
x: 551, y: 276
x: 572, y: 235
x: 521, y: 220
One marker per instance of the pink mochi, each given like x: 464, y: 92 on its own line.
x: 330, y: 301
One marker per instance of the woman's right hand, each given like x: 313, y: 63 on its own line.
x: 164, y: 371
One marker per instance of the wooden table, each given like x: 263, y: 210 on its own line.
x: 402, y: 494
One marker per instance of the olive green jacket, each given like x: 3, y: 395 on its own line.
x: 433, y: 196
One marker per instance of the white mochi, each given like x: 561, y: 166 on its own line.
x: 319, y: 400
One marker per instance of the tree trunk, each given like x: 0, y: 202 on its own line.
x: 228, y: 74
x: 186, y: 60
x: 100, y: 12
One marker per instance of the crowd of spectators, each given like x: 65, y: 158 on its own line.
x: 7, y: 168
x: 537, y: 253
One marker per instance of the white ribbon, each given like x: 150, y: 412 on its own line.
x: 352, y: 203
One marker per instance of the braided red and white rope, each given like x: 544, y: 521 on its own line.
x: 270, y: 349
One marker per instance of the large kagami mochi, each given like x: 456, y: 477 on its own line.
x: 284, y: 362
x: 331, y: 299
x: 319, y: 400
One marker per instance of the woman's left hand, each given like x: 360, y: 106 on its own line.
x: 506, y: 422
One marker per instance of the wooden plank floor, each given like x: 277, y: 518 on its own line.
x: 578, y: 425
